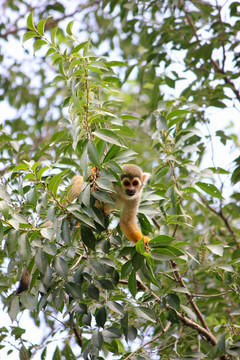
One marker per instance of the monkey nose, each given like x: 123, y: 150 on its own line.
x: 130, y: 192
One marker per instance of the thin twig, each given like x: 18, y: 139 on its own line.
x: 150, y: 341
x: 221, y: 215
x: 177, y: 340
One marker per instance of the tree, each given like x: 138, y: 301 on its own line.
x: 80, y: 112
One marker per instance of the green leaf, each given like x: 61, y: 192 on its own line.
x: 219, y: 170
x: 14, y: 308
x: 17, y: 332
x: 86, y: 195
x: 132, y: 333
x: 177, y: 113
x: 24, y: 247
x: 1, y: 231
x: 126, y: 269
x: 97, y: 267
x: 65, y: 232
x: 113, y: 150
x: 11, y: 242
x: 106, y: 284
x: 57, y: 354
x: 29, y: 301
x: 172, y: 316
x: 98, y: 64
x: 55, y: 182
x: 41, y: 26
x: 93, y: 154
x: 58, y: 298
x: 228, y: 268
x: 189, y: 312
x: 85, y: 219
x: 69, y: 28
x: 41, y: 261
x: 74, y: 290
x: 130, y: 117
x: 173, y: 301
x: 210, y: 189
x: 140, y: 247
x: 101, y: 316
x: 109, y: 136
x: 53, y: 35
x: 4, y: 194
x: 112, y: 333
x: 88, y: 237
x: 30, y: 21
x: 137, y: 260
x: 60, y: 266
x: 116, y: 307
x: 117, y: 63
x: 93, y: 292
x: 105, y: 185
x: 162, y: 254
x: 146, y: 313
x: 221, y: 343
x: 47, y: 233
x: 132, y: 283
x: 79, y: 47
x: 216, y: 249
x: 29, y: 35
x: 41, y: 171
x: 97, y: 339
x: 125, y: 131
x: 160, y: 241
x: 38, y: 44
x: 68, y: 352
x: 104, y: 197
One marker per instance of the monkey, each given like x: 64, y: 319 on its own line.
x: 127, y: 196
x: 24, y: 281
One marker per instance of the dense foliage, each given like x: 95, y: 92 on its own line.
x: 128, y: 81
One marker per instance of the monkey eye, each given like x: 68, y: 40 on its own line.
x: 135, y: 183
x: 126, y: 183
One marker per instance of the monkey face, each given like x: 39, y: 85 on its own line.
x: 131, y: 186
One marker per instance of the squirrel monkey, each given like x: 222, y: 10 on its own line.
x: 127, y: 196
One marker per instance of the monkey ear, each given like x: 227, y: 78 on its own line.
x: 145, y: 177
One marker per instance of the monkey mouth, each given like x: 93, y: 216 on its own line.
x: 130, y: 192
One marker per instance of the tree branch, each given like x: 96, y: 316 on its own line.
x: 50, y: 23
x: 204, y: 332
x: 180, y: 281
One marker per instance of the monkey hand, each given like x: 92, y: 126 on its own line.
x: 146, y: 240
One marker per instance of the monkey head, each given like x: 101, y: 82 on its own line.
x: 133, y: 180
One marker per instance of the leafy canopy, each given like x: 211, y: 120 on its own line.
x: 177, y: 298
